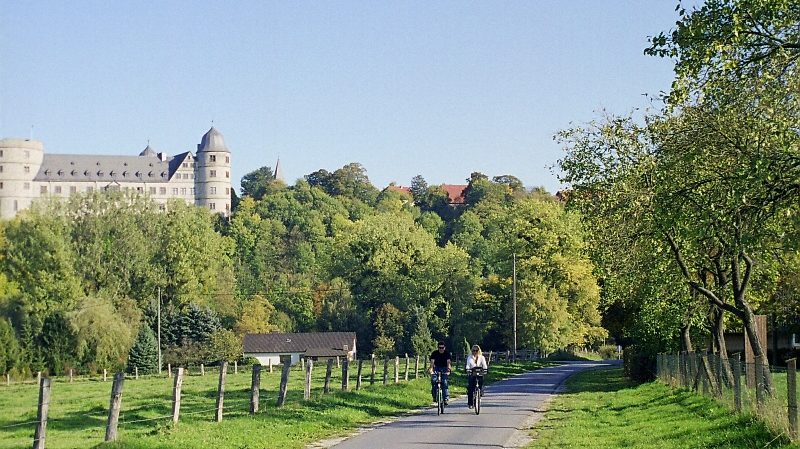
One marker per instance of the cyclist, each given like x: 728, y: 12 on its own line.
x: 475, y: 360
x: 440, y: 363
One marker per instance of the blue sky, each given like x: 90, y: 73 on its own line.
x: 440, y: 89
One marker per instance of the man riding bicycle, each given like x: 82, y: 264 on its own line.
x: 475, y: 360
x: 440, y: 364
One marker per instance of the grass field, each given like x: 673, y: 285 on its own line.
x: 612, y: 412
x: 78, y: 410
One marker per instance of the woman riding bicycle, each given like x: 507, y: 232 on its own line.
x: 475, y: 360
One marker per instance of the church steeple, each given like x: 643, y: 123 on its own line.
x: 278, y: 175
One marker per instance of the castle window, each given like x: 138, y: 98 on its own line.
x: 162, y: 190
x: 100, y: 173
x: 57, y: 189
x: 150, y: 174
x: 186, y: 176
x: 227, y: 174
x: 125, y: 174
x: 174, y: 190
x: 60, y: 172
x: 212, y: 158
x: 213, y: 174
x: 42, y: 189
x: 26, y: 186
x: 73, y: 189
x: 73, y: 172
x: 227, y: 159
x: 152, y: 190
x: 1, y: 185
x: 213, y: 190
x: 227, y: 190
x: 27, y: 169
x: 183, y: 191
x: 1, y: 169
x: 192, y: 190
x: 191, y: 176
x: 112, y: 173
x: 185, y: 165
x: 212, y: 206
x: 1, y: 153
x: 227, y: 207
x: 16, y: 205
x: 138, y: 174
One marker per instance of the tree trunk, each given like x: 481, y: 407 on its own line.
x: 718, y: 328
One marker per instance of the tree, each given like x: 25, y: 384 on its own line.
x: 422, y: 341
x: 257, y: 317
x: 224, y: 345
x: 10, y: 351
x: 144, y: 353
x: 104, y: 333
x: 259, y: 182
x: 419, y: 188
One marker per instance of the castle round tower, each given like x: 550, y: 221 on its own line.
x: 20, y: 160
x: 213, y: 173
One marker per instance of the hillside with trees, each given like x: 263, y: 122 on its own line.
x: 81, y: 279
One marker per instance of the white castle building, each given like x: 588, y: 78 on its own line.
x: 203, y: 179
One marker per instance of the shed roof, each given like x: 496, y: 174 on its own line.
x: 321, y: 344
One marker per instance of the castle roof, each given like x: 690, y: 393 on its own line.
x: 84, y: 168
x: 148, y: 152
x: 212, y: 141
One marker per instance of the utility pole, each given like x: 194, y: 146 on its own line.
x: 159, y: 330
x: 514, y: 296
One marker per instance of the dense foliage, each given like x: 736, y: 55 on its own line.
x: 695, y: 205
x: 84, y: 281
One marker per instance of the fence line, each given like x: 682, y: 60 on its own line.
x: 115, y: 418
x: 726, y: 380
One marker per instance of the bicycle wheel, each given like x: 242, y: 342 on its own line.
x: 477, y: 401
x: 440, y: 406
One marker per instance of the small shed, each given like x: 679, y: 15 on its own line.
x: 279, y: 347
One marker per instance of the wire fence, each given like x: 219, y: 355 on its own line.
x: 767, y: 392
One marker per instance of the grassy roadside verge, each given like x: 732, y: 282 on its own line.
x: 613, y: 412
x: 78, y: 411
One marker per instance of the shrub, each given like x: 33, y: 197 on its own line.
x: 639, y: 365
x: 608, y: 352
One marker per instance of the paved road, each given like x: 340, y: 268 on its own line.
x: 508, y: 405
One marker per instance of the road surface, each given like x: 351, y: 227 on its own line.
x: 508, y: 409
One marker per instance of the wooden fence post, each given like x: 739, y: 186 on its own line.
x: 307, y: 389
x: 416, y: 367
x: 327, y: 387
x: 287, y: 365
x: 302, y: 364
x: 255, y: 389
x: 345, y: 375
x: 39, y: 378
x: 169, y: 370
x: 202, y: 369
x: 791, y: 385
x: 235, y: 367
x: 338, y: 363
x: 176, y: 395
x: 136, y: 372
x: 114, y: 406
x: 270, y: 365
x: 8, y: 380
x: 223, y: 371
x: 71, y: 374
x: 397, y: 369
x: 385, y: 371
x: 358, y: 378
x: 372, y: 375
x: 105, y: 375
x: 41, y: 414
x: 737, y: 383
x: 406, y: 376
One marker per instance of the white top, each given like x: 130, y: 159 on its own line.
x: 472, y: 363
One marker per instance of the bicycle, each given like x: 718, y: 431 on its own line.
x: 477, y: 393
x: 439, y: 394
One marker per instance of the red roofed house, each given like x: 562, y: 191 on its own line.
x: 455, y: 192
x: 278, y: 347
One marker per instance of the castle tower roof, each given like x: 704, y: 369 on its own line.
x: 148, y: 152
x: 212, y: 141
